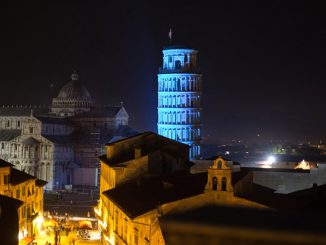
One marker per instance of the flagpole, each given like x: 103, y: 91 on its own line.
x: 170, y: 35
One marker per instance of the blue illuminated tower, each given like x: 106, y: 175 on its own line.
x: 179, y: 98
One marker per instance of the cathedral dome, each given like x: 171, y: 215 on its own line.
x: 72, y: 99
x: 74, y: 90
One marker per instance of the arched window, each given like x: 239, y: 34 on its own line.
x: 214, y: 180
x: 223, y: 184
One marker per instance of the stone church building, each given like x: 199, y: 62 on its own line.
x: 60, y: 143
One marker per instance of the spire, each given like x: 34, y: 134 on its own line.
x: 74, y: 76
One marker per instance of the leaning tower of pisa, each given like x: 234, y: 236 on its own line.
x: 179, y: 98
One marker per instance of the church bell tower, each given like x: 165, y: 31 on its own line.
x: 179, y: 98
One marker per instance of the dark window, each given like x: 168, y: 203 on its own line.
x: 214, y: 184
x: 219, y: 164
x: 170, y: 59
x: 18, y: 124
x: 186, y: 58
x: 31, y: 130
x: 315, y: 186
x: 18, y: 193
x: 178, y: 64
x: 136, y: 237
x: 6, y: 179
x: 28, y: 211
x: 116, y: 221
x: 68, y: 179
x: 223, y: 184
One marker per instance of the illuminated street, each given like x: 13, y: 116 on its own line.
x: 65, y: 240
x: 67, y: 214
x: 65, y: 236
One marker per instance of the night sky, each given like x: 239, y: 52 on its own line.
x: 263, y: 63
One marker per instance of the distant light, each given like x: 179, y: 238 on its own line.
x: 227, y: 153
x: 270, y: 160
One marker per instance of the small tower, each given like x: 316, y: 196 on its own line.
x: 179, y: 98
x: 219, y: 176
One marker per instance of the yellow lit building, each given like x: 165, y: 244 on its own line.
x: 29, y: 190
x: 147, y: 176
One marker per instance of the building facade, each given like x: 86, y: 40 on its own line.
x: 179, y: 98
x: 27, y: 189
x: 148, y: 176
x: 60, y: 143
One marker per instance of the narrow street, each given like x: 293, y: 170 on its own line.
x: 66, y: 214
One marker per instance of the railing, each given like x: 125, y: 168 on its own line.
x: 180, y: 70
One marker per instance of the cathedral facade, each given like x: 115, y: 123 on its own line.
x: 179, y: 98
x: 60, y: 143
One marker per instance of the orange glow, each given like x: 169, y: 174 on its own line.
x: 110, y: 240
x: 303, y: 165
x: 97, y: 212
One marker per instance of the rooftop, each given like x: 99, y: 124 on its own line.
x: 143, y: 195
x: 258, y: 220
x: 148, y: 142
x: 6, y: 134
x: 9, y: 201
x: 40, y: 182
x: 53, y: 120
x: 4, y: 164
x: 101, y: 111
x: 18, y: 177
x: 21, y: 111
